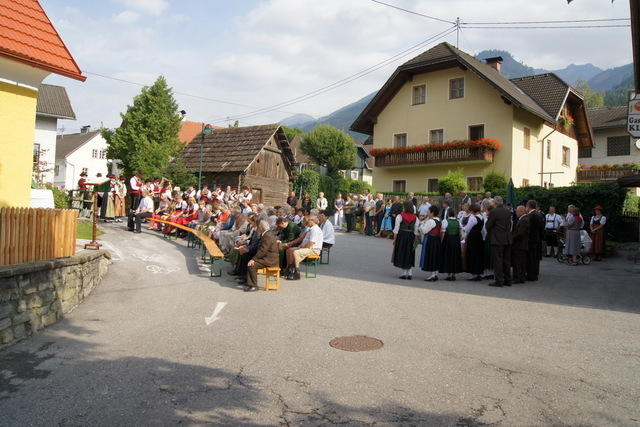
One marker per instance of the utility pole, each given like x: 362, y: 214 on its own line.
x: 458, y: 32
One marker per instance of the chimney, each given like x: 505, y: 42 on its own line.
x: 85, y: 129
x: 494, y: 62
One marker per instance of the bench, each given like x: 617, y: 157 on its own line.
x: 209, y: 246
x: 271, y: 278
x: 313, y: 260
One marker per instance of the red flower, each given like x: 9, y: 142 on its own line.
x: 491, y: 144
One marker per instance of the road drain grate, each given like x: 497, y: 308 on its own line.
x: 356, y: 343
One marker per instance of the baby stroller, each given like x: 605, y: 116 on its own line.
x: 585, y: 248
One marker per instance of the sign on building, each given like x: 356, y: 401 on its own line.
x: 633, y: 118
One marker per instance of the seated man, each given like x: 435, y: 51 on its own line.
x: 266, y: 256
x: 328, y: 234
x: 311, y: 245
x: 145, y: 210
x: 227, y: 238
x: 287, y: 231
x: 246, y: 251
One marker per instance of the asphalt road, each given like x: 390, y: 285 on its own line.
x: 138, y: 351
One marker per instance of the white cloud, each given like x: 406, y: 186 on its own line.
x: 152, y: 7
x: 126, y: 17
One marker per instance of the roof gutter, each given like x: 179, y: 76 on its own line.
x: 43, y: 66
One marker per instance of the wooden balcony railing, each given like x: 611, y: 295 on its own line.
x: 595, y: 175
x: 450, y: 155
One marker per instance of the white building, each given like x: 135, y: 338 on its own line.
x: 53, y: 104
x: 80, y: 152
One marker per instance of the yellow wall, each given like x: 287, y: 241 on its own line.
x: 481, y: 104
x: 17, y: 127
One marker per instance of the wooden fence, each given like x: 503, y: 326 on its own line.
x: 28, y: 234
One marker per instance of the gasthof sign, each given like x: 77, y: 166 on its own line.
x: 633, y: 118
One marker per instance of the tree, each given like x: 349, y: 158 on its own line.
x: 178, y: 174
x: 452, y: 182
x: 292, y: 132
x: 329, y: 147
x: 147, y: 139
x: 592, y: 99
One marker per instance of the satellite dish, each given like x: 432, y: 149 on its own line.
x: 638, y: 144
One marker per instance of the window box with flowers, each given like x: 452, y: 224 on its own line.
x: 567, y: 121
x: 606, y: 172
x: 449, y: 152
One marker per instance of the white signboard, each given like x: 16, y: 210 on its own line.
x: 633, y: 119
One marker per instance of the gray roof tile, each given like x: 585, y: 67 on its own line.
x: 53, y: 101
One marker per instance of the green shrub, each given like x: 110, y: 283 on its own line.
x: 308, y: 181
x: 494, y: 181
x: 60, y: 197
x: 355, y: 186
x: 632, y: 203
x: 453, y: 182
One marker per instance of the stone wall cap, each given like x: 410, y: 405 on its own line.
x: 49, y: 264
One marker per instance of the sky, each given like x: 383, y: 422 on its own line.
x: 259, y: 53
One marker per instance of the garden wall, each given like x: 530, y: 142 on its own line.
x: 37, y: 294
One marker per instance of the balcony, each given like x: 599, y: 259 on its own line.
x: 597, y: 175
x: 448, y: 155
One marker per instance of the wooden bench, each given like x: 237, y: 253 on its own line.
x: 209, y: 246
x: 271, y: 278
x: 313, y: 260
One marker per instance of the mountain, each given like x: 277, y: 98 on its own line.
x: 297, y: 120
x: 611, y: 78
x: 573, y: 73
x: 614, y: 81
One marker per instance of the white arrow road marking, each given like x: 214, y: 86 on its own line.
x: 214, y: 316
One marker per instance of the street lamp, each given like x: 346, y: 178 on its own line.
x: 206, y: 130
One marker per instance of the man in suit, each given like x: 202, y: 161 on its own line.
x: 248, y: 250
x: 446, y: 207
x: 536, y: 233
x: 266, y: 256
x: 520, y: 245
x: 499, y: 231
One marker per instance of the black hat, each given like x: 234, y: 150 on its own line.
x: 83, y: 174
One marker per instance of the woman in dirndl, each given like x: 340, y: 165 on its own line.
x: 597, y: 233
x: 573, y: 224
x: 404, y: 239
x: 486, y: 207
x: 430, y: 256
x: 451, y: 262
x: 474, y: 244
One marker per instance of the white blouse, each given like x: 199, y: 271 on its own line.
x: 416, y: 225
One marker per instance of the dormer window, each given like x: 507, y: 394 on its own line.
x: 419, y: 95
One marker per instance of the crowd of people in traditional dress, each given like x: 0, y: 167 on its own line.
x: 485, y: 238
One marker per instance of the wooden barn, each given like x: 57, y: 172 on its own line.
x: 256, y: 156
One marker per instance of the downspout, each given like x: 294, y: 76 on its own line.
x: 542, y: 157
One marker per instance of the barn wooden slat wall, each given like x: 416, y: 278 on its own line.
x: 28, y: 234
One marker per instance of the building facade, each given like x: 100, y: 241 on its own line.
x: 80, y: 152
x: 445, y: 110
x: 30, y: 50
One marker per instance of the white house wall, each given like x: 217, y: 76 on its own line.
x: 599, y: 151
x: 82, y: 158
x: 45, y: 136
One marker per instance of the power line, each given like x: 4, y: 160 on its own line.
x: 412, y: 12
x: 547, y: 22
x: 343, y: 81
x: 204, y: 98
x: 545, y: 27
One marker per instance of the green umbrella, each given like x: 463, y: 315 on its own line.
x: 511, y: 194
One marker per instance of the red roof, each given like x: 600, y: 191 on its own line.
x: 189, y: 130
x: 28, y: 36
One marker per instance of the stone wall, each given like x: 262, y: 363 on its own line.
x: 37, y: 294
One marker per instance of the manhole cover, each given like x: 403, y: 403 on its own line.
x: 356, y: 343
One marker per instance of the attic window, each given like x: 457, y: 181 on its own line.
x: 456, y: 88
x: 419, y: 95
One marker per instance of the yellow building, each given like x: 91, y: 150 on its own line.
x: 445, y: 110
x: 30, y: 50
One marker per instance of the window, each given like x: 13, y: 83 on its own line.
x: 527, y: 139
x: 56, y: 170
x: 436, y: 136
x: 85, y: 170
x: 432, y: 185
x: 419, y: 95
x: 525, y: 182
x: 456, y: 88
x: 474, y: 183
x: 618, y: 146
x: 548, y: 149
x: 36, y: 153
x: 399, y: 186
x: 354, y: 175
x: 584, y: 152
x: 103, y: 154
x: 566, y: 156
x: 476, y: 132
x: 94, y: 153
x: 400, y: 140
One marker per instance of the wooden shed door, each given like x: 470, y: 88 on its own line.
x: 257, y: 195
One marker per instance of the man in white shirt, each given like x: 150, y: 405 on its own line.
x: 552, y: 225
x: 369, y: 212
x: 311, y: 245
x: 328, y: 233
x: 423, y: 210
x: 145, y: 210
x: 134, y: 184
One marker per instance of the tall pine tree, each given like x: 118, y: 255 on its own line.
x: 147, y: 139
